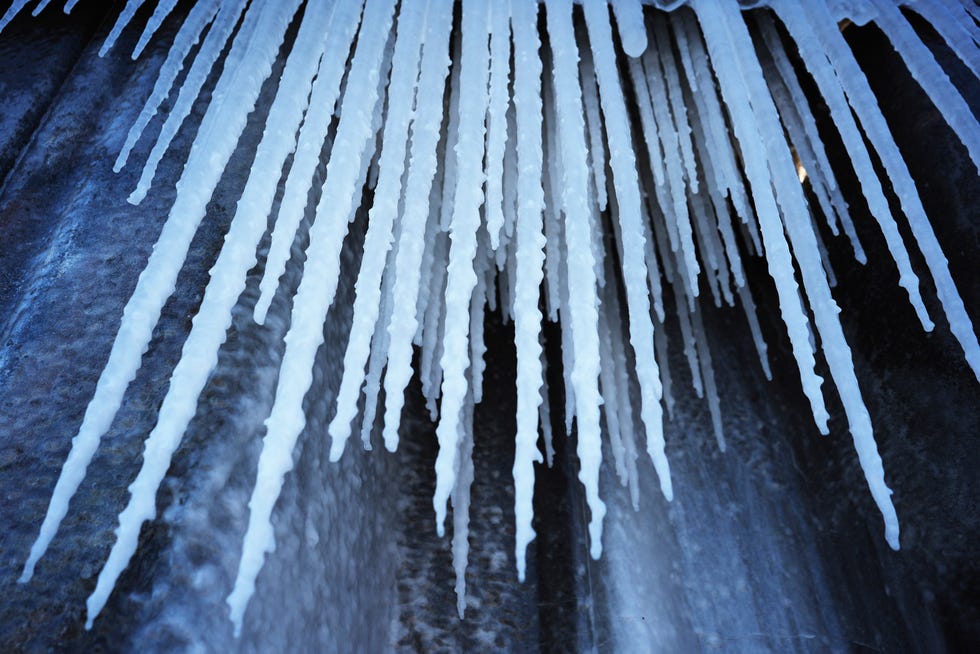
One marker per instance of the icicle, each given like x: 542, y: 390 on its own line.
x: 160, y: 13
x: 313, y: 298
x: 497, y: 117
x: 125, y: 16
x: 11, y: 12
x: 675, y: 98
x: 199, y: 17
x: 959, y: 31
x: 863, y: 102
x: 433, y: 329
x: 673, y: 162
x: 748, y: 306
x: 861, y: 160
x: 449, y: 163
x: 313, y: 133
x: 547, y: 434
x: 381, y: 218
x: 461, y: 278
x: 580, y: 266
x: 629, y: 24
x: 220, y: 128
x: 478, y: 301
x: 425, y: 138
x: 43, y: 4
x: 825, y: 310
x: 214, y: 42
x: 593, y: 121
x: 608, y: 387
x: 708, y: 373
x: 461, y: 506
x: 755, y: 157
x: 552, y: 208
x: 634, y: 270
x: 930, y: 75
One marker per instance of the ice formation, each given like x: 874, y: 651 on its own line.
x: 573, y: 176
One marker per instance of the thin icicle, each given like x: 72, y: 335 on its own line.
x: 220, y: 128
x: 580, y: 266
x: 930, y: 75
x: 313, y: 298
x: 126, y: 15
x: 11, y: 12
x: 674, y: 167
x: 214, y: 42
x: 461, y: 506
x: 381, y: 218
x: 708, y: 373
x: 593, y: 121
x: 675, y: 98
x: 461, y: 278
x: 425, y: 138
x: 497, y: 117
x: 160, y: 12
x: 199, y: 17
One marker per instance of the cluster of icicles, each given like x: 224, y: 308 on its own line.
x: 557, y: 179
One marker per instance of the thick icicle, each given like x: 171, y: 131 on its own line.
x: 461, y: 278
x: 530, y: 271
x: 629, y: 24
x: 583, y: 315
x: 249, y: 65
x: 314, y: 297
